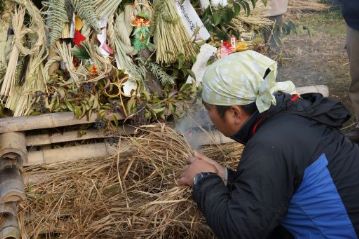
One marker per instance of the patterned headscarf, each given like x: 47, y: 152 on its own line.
x: 238, y: 80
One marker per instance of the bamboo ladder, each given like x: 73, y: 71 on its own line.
x: 17, y: 150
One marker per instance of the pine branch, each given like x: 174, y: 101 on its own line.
x: 56, y: 18
x: 161, y: 74
x: 106, y: 8
x: 86, y: 11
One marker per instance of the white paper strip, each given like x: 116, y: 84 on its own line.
x: 204, y: 4
x: 191, y: 20
x: 216, y: 3
x: 199, y: 67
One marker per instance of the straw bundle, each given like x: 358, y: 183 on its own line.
x: 131, y: 195
x: 20, y: 97
x: 170, y: 36
x: 253, y: 22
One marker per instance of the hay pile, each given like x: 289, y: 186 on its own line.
x: 131, y: 195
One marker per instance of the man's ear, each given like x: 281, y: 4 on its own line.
x: 237, y: 111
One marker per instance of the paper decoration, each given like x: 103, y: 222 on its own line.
x: 78, y: 23
x: 191, y: 21
x: 204, y: 4
x: 225, y: 49
x: 199, y: 67
x: 69, y: 29
x: 78, y: 38
x: 216, y: 3
x: 141, y: 33
x: 129, y: 88
x: 104, y: 49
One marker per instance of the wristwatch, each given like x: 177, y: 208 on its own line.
x: 200, y: 177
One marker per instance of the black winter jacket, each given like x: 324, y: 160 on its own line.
x: 297, y: 171
x: 350, y: 9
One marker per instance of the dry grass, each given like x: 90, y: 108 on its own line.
x: 131, y: 195
x: 300, y: 6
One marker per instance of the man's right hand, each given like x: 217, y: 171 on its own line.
x: 220, y: 169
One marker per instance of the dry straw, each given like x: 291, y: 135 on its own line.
x: 131, y: 195
x: 300, y: 6
x: 170, y: 36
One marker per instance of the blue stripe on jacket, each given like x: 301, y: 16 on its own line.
x: 316, y: 209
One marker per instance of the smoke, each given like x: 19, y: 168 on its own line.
x: 195, y: 121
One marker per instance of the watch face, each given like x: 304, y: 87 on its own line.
x: 196, y: 178
x: 200, y: 176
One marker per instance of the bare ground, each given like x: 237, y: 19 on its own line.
x: 316, y: 54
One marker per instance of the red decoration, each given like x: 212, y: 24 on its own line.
x: 78, y: 38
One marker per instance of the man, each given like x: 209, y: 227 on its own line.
x: 298, y: 175
x: 275, y: 12
x: 350, y: 10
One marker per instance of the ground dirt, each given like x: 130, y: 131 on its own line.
x: 316, y: 53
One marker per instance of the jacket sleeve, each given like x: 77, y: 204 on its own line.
x: 231, y: 175
x: 256, y: 199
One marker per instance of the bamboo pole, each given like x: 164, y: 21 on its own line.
x: 73, y: 153
x: 45, y: 139
x: 322, y: 89
x: 12, y: 149
x: 11, y: 185
x: 9, y: 208
x: 10, y: 228
x: 53, y: 120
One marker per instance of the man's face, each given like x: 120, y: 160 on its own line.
x: 231, y: 122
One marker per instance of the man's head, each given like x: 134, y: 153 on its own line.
x: 237, y: 86
x: 230, y: 119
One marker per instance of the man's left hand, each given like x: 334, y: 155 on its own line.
x: 196, y: 166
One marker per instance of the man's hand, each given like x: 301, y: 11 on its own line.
x: 198, y: 164
x: 221, y: 171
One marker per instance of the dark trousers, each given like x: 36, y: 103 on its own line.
x: 353, y: 53
x: 273, y: 36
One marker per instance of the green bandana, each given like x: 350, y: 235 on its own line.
x: 238, y: 80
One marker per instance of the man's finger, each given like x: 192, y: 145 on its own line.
x: 191, y: 159
x: 183, y: 181
x: 198, y: 155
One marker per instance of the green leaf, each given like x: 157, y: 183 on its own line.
x: 228, y: 15
x: 159, y: 110
x: 254, y: 3
x: 237, y: 8
x: 77, y: 112
x: 246, y: 7
x: 191, y: 73
x: 80, y: 52
x: 216, y: 19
